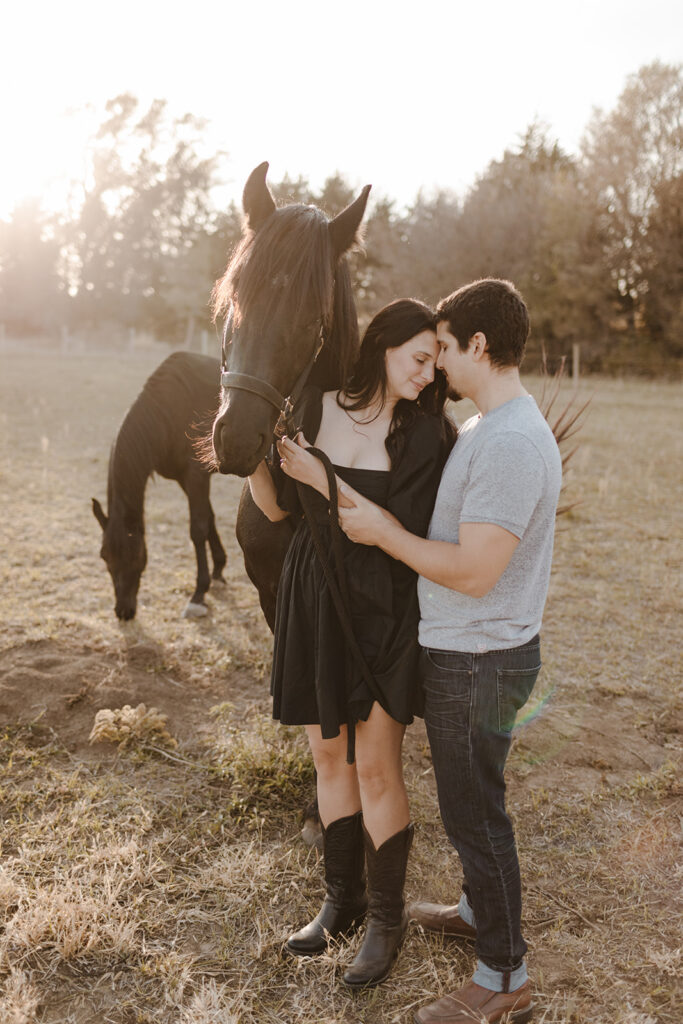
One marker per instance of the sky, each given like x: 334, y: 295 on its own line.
x: 406, y: 96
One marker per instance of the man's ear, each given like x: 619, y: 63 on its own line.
x: 478, y: 345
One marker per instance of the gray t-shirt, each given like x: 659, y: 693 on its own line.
x: 506, y: 469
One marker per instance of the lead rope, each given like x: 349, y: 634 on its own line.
x: 338, y: 587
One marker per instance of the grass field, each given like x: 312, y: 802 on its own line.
x: 154, y: 884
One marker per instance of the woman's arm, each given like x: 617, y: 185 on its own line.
x: 264, y: 494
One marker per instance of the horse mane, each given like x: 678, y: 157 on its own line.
x: 132, y: 457
x: 340, y: 350
x: 289, y: 260
x: 143, y: 434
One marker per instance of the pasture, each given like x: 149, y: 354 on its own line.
x: 153, y: 882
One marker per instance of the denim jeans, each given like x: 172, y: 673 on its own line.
x: 471, y: 701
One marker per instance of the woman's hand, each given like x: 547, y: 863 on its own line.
x: 297, y: 463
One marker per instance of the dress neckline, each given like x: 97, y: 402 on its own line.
x: 359, y: 469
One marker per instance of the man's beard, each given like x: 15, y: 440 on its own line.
x: 454, y: 395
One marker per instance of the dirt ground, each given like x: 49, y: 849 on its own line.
x: 157, y: 882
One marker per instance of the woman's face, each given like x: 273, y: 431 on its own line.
x: 410, y: 366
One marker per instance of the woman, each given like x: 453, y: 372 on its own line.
x: 387, y: 437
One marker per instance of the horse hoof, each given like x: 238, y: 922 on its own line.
x: 218, y: 579
x: 195, y: 611
x: 311, y: 834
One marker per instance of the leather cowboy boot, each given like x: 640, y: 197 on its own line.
x: 474, y: 1003
x: 436, y: 917
x: 387, y: 920
x: 345, y: 904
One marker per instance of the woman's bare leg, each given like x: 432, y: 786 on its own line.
x: 345, y: 903
x: 387, y: 846
x: 338, y: 793
x: 380, y: 775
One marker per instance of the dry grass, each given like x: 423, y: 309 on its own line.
x: 128, y: 725
x: 155, y: 885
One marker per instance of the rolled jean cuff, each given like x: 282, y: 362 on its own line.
x: 494, y: 980
x: 465, y: 911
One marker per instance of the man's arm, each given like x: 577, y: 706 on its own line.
x: 473, y: 566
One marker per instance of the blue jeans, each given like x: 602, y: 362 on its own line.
x: 471, y: 701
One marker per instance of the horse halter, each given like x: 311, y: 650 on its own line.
x: 245, y: 382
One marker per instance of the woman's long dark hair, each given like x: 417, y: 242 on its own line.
x: 393, y: 326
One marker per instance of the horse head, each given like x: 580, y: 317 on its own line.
x: 285, y: 292
x: 125, y: 554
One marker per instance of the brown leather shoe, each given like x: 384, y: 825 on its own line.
x: 435, y: 917
x: 476, y: 1004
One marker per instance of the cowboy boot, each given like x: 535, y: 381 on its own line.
x: 387, y: 920
x: 446, y: 920
x: 345, y: 904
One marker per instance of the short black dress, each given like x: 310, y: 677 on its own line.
x: 315, y: 679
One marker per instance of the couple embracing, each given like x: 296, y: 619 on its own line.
x: 444, y: 566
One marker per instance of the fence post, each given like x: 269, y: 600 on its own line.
x: 576, y: 358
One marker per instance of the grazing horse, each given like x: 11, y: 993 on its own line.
x: 178, y: 399
x: 290, y: 320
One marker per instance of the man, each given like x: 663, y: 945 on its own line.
x: 483, y: 571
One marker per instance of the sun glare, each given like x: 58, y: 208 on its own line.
x: 47, y: 159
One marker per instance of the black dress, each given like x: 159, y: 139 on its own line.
x: 315, y: 679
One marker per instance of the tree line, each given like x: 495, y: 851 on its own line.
x: 594, y: 241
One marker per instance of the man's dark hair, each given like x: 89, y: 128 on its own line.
x: 497, y: 310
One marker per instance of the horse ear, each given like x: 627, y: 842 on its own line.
x: 257, y: 202
x: 345, y: 225
x: 99, y: 514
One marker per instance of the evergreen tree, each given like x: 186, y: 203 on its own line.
x: 634, y: 157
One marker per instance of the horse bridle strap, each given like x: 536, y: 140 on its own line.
x: 245, y: 381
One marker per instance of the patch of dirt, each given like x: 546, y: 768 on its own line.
x: 59, y: 687
x: 566, y: 752
x: 571, y: 751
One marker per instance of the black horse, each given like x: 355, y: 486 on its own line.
x: 178, y: 400
x: 291, y: 319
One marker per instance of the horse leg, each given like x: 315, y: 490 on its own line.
x: 196, y: 487
x: 217, y: 550
x: 310, y: 832
x: 264, y: 546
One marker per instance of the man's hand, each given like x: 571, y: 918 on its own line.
x: 471, y: 566
x: 297, y: 463
x: 364, y: 522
